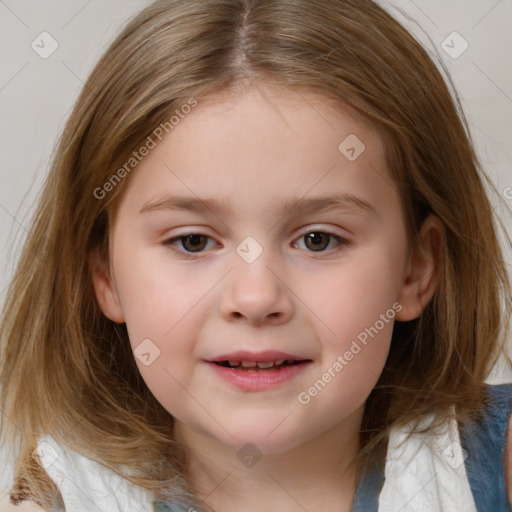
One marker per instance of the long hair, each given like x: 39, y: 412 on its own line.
x: 68, y: 371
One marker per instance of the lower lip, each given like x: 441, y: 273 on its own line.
x: 248, y: 380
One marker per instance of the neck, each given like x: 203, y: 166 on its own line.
x: 316, y: 475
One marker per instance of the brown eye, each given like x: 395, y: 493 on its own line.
x: 194, y: 242
x: 317, y: 240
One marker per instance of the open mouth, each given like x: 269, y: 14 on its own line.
x: 256, y: 376
x: 258, y: 366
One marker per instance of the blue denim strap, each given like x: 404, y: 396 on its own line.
x: 368, y: 490
x: 484, y: 442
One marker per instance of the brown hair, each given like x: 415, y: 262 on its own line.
x: 60, y: 356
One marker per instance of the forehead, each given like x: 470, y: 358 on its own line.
x: 261, y: 145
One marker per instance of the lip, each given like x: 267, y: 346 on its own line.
x: 264, y: 356
x: 254, y: 380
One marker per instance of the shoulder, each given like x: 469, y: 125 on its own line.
x: 24, y: 506
x: 508, y: 459
x: 501, y: 404
x: 488, y: 449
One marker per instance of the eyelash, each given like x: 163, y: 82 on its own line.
x: 343, y: 242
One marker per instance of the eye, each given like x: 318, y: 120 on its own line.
x: 317, y: 241
x: 192, y: 242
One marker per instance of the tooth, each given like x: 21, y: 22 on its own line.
x: 281, y: 361
x: 248, y: 364
x: 234, y: 363
x: 268, y: 364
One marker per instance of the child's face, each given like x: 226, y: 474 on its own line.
x: 314, y: 298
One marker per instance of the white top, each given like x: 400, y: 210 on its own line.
x: 426, y: 473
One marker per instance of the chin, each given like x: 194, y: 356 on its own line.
x: 262, y: 436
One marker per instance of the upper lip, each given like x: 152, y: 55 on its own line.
x: 264, y: 356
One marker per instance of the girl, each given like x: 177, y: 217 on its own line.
x: 264, y: 272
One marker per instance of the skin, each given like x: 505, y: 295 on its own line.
x: 257, y: 148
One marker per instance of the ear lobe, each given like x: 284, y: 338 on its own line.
x: 423, y: 270
x: 104, y: 287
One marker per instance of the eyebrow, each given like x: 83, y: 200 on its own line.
x: 292, y: 206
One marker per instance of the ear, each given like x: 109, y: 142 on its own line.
x: 423, y: 269
x: 104, y: 287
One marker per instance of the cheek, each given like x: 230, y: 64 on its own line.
x: 168, y: 365
x: 157, y: 299
x: 357, y: 313
x: 356, y: 297
x: 354, y: 352
x: 159, y: 310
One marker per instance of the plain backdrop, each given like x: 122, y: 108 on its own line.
x: 37, y: 94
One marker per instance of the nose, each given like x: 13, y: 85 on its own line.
x: 256, y: 293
